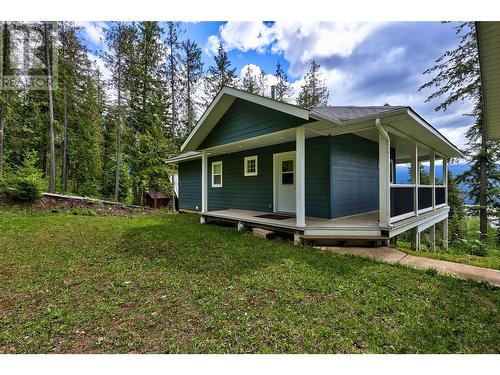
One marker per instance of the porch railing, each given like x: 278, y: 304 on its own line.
x: 403, y: 199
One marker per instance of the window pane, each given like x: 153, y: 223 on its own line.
x: 287, y: 178
x: 251, y: 165
x: 217, y: 168
x: 287, y: 165
x: 217, y: 179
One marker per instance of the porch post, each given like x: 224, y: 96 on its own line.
x: 432, y: 237
x: 445, y: 179
x: 384, y: 176
x: 300, y: 191
x: 445, y: 233
x: 204, y: 181
x: 432, y: 176
x: 415, y: 175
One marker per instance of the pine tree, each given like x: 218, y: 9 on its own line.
x: 172, y: 42
x: 250, y: 83
x: 4, y: 71
x: 47, y: 39
x: 313, y: 92
x: 192, y: 72
x: 283, y: 87
x: 219, y: 75
x: 456, y: 78
x: 119, y: 40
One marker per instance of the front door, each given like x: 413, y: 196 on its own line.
x: 284, y: 182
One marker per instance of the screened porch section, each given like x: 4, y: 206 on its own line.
x: 417, y: 183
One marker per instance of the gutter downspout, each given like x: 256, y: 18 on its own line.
x: 384, y: 146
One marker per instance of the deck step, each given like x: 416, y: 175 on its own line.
x: 262, y: 233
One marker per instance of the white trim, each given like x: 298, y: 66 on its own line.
x: 215, y: 163
x: 300, y: 176
x: 415, y: 116
x: 226, y: 96
x: 424, y: 210
x: 441, y: 205
x: 432, y: 175
x: 403, y: 185
x: 245, y: 166
x: 276, y: 175
x: 204, y: 181
x: 384, y: 174
x: 402, y: 216
x: 415, y: 176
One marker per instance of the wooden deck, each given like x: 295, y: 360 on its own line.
x: 360, y: 226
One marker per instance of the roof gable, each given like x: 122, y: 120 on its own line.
x: 223, y: 102
x: 245, y: 119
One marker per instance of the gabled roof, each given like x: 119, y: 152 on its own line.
x: 223, y: 100
x: 350, y: 113
x: 333, y: 115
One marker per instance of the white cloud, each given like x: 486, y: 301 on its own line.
x: 246, y: 36
x: 212, y: 45
x: 93, y: 30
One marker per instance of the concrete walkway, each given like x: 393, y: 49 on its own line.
x: 394, y: 256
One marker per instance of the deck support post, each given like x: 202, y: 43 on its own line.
x: 415, y: 243
x: 384, y: 178
x: 445, y: 179
x: 300, y: 191
x: 204, y: 181
x: 432, y: 177
x: 445, y: 233
x: 415, y: 175
x: 297, y: 240
x: 432, y: 237
x: 240, y: 226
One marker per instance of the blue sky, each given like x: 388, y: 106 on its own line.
x: 362, y: 63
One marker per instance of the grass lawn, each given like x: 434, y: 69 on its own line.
x: 167, y: 284
x: 492, y: 260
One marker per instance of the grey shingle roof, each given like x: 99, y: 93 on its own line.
x: 347, y: 113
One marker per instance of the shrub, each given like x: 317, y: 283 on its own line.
x: 23, y: 184
x: 471, y: 247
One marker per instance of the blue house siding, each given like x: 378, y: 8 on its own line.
x: 354, y: 175
x: 245, y: 120
x: 190, y: 185
x: 256, y: 192
x: 245, y: 192
x: 341, y: 178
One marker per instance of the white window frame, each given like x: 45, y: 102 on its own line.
x: 215, y: 163
x: 248, y: 158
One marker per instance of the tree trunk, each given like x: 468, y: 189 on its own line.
x: 483, y: 183
x: 172, y: 83
x: 3, y: 92
x: 119, y: 125
x: 52, y: 181
x: 156, y: 202
x: 65, y: 144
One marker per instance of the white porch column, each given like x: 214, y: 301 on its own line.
x: 432, y: 237
x: 300, y: 173
x: 432, y: 176
x: 384, y: 176
x: 415, y: 174
x: 204, y: 181
x: 445, y: 179
x: 445, y: 233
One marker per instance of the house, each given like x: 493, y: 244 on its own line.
x: 328, y: 173
x: 488, y: 40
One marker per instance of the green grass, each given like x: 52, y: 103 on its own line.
x: 74, y: 284
x: 492, y: 260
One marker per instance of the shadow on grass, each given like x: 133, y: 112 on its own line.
x: 222, y: 252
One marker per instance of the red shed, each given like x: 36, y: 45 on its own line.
x: 149, y: 199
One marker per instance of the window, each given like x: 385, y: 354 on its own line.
x: 217, y: 174
x: 251, y: 165
x: 287, y: 172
